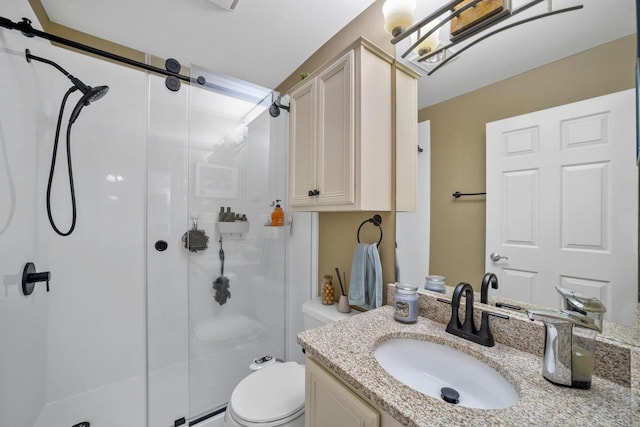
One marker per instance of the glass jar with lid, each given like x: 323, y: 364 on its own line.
x: 406, y: 303
x: 435, y: 283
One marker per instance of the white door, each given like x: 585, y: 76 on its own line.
x: 562, y: 204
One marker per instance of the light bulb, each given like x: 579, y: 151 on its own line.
x: 398, y: 15
x: 430, y: 43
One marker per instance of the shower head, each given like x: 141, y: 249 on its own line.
x: 90, y: 94
x: 274, y: 109
x: 96, y: 93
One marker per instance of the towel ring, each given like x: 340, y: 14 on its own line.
x: 376, y: 220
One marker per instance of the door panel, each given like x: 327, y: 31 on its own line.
x: 562, y: 203
x: 336, y: 138
x: 303, y: 145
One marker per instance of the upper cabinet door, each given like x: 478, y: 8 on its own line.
x: 302, y: 155
x: 349, y: 167
x: 335, y: 134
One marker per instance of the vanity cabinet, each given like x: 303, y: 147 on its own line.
x: 341, y: 134
x: 329, y: 402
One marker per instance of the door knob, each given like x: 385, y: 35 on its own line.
x: 495, y: 257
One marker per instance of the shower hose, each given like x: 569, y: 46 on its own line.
x: 53, y: 168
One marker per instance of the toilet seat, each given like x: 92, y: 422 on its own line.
x: 270, y: 396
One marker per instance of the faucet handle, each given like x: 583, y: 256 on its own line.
x: 581, y: 303
x: 563, y: 316
x: 485, y: 337
x: 491, y: 313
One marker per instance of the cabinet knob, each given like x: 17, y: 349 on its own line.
x: 310, y: 193
x: 314, y: 193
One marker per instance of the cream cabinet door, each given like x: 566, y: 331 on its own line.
x: 336, y: 133
x: 330, y: 403
x: 302, y: 176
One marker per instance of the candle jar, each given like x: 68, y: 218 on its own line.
x: 406, y: 303
x: 435, y: 283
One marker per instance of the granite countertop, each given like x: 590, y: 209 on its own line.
x: 346, y: 349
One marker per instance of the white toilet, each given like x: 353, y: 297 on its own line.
x: 274, y: 395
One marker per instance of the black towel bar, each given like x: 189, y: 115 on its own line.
x: 458, y: 194
x: 375, y: 220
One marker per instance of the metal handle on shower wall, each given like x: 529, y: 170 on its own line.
x: 30, y: 277
x: 495, y: 257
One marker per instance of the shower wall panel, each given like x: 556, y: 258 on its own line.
x: 95, y: 326
x: 76, y: 353
x: 23, y: 320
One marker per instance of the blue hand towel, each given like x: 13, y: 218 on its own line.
x: 365, y: 286
x: 358, y: 274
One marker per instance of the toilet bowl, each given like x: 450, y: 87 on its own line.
x: 274, y: 395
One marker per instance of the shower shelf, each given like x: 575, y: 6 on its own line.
x: 233, y: 227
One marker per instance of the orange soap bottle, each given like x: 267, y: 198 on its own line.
x: 277, y: 216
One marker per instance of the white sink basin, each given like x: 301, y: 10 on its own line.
x: 428, y: 367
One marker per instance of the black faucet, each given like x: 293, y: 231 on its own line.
x: 467, y: 330
x: 488, y: 279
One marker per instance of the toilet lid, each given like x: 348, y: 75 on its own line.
x: 270, y: 394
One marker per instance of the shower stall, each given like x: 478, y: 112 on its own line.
x: 131, y: 331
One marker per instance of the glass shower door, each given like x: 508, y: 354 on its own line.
x: 237, y: 169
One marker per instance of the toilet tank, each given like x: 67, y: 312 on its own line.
x: 316, y: 314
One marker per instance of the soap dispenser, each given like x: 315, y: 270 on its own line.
x: 277, y: 216
x: 569, y: 347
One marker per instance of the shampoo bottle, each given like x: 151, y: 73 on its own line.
x: 277, y: 216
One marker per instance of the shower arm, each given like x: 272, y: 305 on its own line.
x: 27, y: 30
x: 76, y: 82
x: 29, y: 57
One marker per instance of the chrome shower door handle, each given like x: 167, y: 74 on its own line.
x: 495, y: 257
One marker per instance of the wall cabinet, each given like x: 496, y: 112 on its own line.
x: 329, y: 402
x: 406, y: 97
x: 341, y: 134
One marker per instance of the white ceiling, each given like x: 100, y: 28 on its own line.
x: 261, y: 41
x: 264, y: 41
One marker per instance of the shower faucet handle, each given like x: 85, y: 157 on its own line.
x: 30, y: 278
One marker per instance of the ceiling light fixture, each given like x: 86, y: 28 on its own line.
x: 467, y: 21
x: 398, y: 15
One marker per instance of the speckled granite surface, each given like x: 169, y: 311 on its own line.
x: 635, y: 386
x: 346, y: 349
x: 613, y: 358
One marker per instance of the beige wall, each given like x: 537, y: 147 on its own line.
x: 338, y: 230
x: 368, y: 24
x: 458, y: 144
